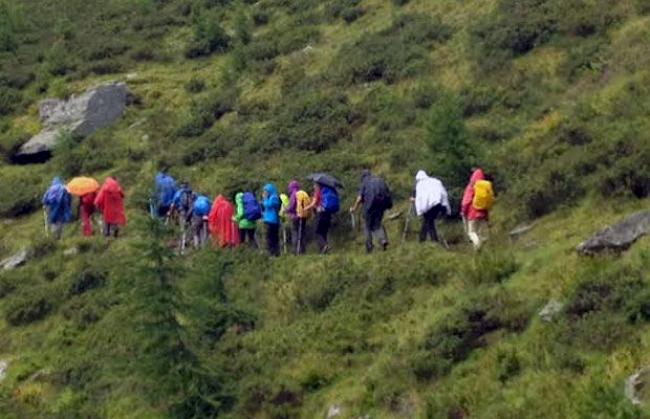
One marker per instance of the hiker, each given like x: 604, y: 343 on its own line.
x: 165, y: 191
x: 430, y: 199
x: 271, y: 204
x: 110, y: 201
x: 475, y: 207
x: 326, y: 203
x: 376, y: 199
x: 57, y: 204
x: 86, y: 211
x: 285, y: 222
x: 298, y: 215
x: 201, y: 206
x: 247, y: 213
x: 223, y: 229
x: 181, y: 207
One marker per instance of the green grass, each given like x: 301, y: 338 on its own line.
x: 560, y: 118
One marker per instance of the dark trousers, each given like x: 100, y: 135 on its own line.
x: 322, y: 229
x: 375, y: 229
x: 248, y: 234
x: 111, y: 229
x: 273, y: 239
x: 429, y: 223
x: 163, y: 210
x: 298, y: 235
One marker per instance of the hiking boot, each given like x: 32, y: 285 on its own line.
x: 384, y: 246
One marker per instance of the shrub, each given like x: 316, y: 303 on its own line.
x: 205, y: 112
x: 260, y: 17
x: 9, y: 100
x: 21, y: 191
x: 30, y: 306
x: 448, y: 141
x: 396, y: 52
x: 87, y: 280
x: 195, y: 85
x: 209, y: 37
x: 312, y: 122
x: 400, y: 2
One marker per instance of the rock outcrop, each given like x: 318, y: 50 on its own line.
x: 14, y: 261
x: 617, y: 237
x: 636, y: 387
x: 550, y: 310
x: 80, y: 115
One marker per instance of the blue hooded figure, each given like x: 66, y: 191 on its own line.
x: 271, y: 205
x: 165, y: 189
x: 271, y: 217
x: 58, y: 202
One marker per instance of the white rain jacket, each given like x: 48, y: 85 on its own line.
x: 429, y: 192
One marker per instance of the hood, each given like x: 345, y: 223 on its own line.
x: 219, y: 199
x: 112, y: 185
x: 365, y: 174
x: 421, y: 175
x: 294, y: 186
x: 476, y: 176
x: 270, y: 189
x: 57, y: 181
x: 239, y: 197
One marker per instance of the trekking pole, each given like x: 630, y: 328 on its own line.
x: 353, y: 221
x: 47, y: 230
x: 300, y: 227
x: 284, y: 238
x: 406, y: 223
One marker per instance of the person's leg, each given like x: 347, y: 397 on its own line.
x: 327, y: 223
x: 253, y: 238
x: 424, y: 228
x: 57, y: 230
x: 433, y: 232
x: 116, y: 230
x: 107, y: 229
x: 295, y: 236
x: 242, y: 236
x: 87, y: 228
x: 369, y: 229
x: 302, y: 238
x: 274, y: 233
x: 380, y: 232
x: 472, y: 232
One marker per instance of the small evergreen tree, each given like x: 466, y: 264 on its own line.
x: 452, y: 152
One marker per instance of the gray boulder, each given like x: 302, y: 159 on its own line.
x: 636, y: 387
x: 617, y: 237
x: 4, y: 366
x: 80, y: 115
x: 550, y: 310
x: 14, y: 261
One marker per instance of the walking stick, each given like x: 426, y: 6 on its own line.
x: 353, y: 220
x: 47, y: 230
x: 406, y: 223
x: 300, y: 227
x: 284, y: 238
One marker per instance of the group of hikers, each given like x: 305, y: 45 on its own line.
x: 230, y: 224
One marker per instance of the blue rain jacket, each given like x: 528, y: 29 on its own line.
x: 58, y: 201
x: 271, y: 205
x: 165, y: 189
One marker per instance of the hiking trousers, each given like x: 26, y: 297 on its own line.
x: 57, y: 230
x: 298, y: 235
x: 375, y: 229
x: 248, y: 234
x: 429, y: 223
x: 86, y: 219
x: 273, y: 238
x: 199, y: 230
x: 476, y: 232
x: 322, y: 229
x: 111, y: 229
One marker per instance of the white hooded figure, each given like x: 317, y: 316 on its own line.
x: 429, y: 192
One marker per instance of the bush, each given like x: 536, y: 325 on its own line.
x: 260, y: 17
x: 87, y: 280
x: 28, y: 307
x: 397, y: 52
x: 195, y: 85
x: 312, y: 122
x: 448, y: 141
x: 22, y: 192
x: 209, y: 37
x: 204, y: 113
x: 9, y: 100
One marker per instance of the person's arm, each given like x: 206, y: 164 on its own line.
x: 357, y: 204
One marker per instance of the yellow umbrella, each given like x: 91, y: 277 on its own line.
x: 80, y: 186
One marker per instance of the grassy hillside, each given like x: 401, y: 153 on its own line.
x: 550, y: 96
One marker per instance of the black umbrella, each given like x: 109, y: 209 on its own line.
x: 325, y: 179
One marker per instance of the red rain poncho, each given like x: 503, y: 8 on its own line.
x: 110, y: 201
x: 223, y: 229
x: 467, y: 210
x: 87, y: 208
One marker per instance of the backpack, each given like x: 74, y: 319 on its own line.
x: 186, y: 200
x: 381, y: 197
x: 285, y: 205
x: 302, y: 201
x: 201, y: 206
x: 330, y: 199
x: 252, y: 209
x: 483, y: 195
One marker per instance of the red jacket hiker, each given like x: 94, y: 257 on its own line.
x: 87, y: 208
x: 110, y: 201
x: 467, y: 210
x: 220, y: 222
